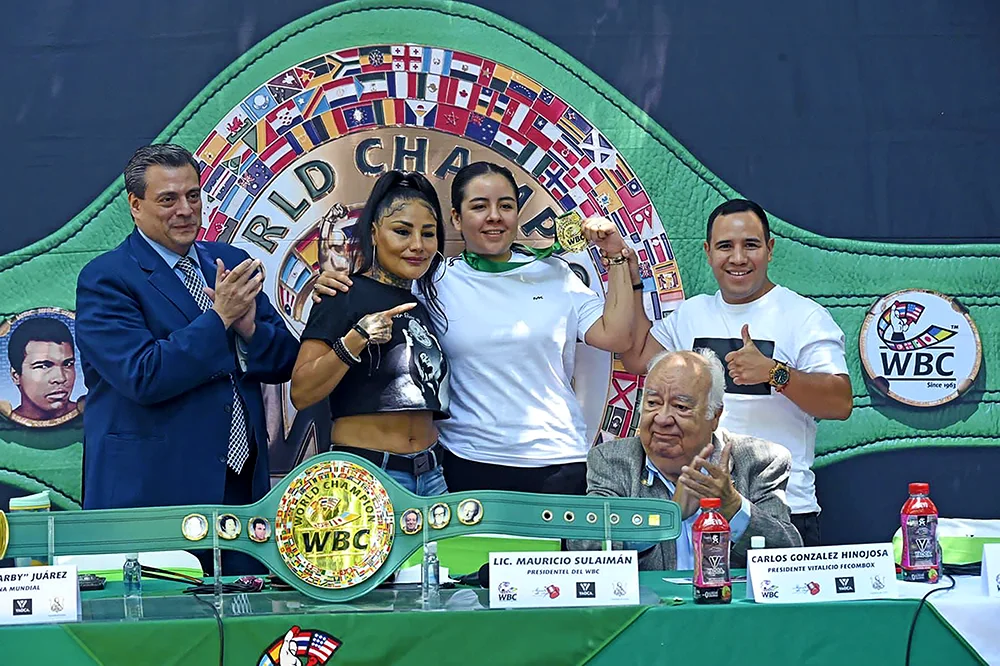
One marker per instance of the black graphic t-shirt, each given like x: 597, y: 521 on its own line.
x: 407, y: 373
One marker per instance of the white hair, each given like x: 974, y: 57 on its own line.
x: 717, y: 390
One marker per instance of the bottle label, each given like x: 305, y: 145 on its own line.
x: 920, y: 545
x: 711, y: 559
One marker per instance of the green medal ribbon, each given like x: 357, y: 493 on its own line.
x: 479, y: 263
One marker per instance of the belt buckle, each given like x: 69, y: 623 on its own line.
x: 422, y: 463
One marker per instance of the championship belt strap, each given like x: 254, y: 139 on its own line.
x: 340, y: 525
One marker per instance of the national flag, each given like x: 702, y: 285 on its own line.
x: 486, y: 73
x: 538, y: 166
x: 371, y: 86
x: 295, y: 273
x: 238, y: 159
x: 286, y: 299
x: 523, y: 89
x: 451, y: 119
x: 549, y: 106
x: 348, y: 62
x: 420, y: 113
x: 623, y: 221
x: 284, y: 117
x: 466, y: 67
x: 302, y: 138
x: 235, y: 125
x: 213, y: 149
x: 215, y: 227
x: 654, y: 301
x: 531, y: 157
x: 607, y: 197
x: 414, y: 59
x: 236, y: 203
x: 461, y: 93
x: 333, y: 122
x: 517, y: 116
x: 661, y: 248
x: 500, y: 79
x: 323, y: 646
x: 485, y: 101
x: 259, y: 103
x: 600, y: 150
x: 481, y: 129
x: 642, y: 218
x: 318, y: 71
x: 318, y: 130
x: 341, y: 94
x: 286, y: 79
x: 588, y: 209
x: 279, y: 154
x: 498, y: 108
x: 543, y: 133
x: 620, y: 174
x: 375, y: 59
x: 436, y: 61
x: 574, y: 125
x: 311, y: 102
x: 389, y: 112
x: 359, y: 116
x: 431, y: 87
x: 256, y: 177
x: 615, y: 419
x: 508, y: 144
x: 219, y: 184
x: 566, y: 151
x: 398, y: 84
x: 633, y: 196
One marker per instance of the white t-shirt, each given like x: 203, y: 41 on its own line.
x: 787, y: 327
x: 511, y: 344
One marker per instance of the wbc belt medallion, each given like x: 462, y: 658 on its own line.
x: 334, y: 525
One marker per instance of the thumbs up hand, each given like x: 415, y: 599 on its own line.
x: 747, y: 365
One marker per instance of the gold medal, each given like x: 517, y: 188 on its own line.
x: 569, y: 232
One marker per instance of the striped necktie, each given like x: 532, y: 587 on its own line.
x: 239, y: 444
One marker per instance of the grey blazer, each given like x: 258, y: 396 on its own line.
x: 759, y: 470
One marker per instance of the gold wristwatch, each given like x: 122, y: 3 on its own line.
x: 779, y: 376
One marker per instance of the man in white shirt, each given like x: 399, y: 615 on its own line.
x: 784, y: 353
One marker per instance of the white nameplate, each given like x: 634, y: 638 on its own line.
x: 576, y: 578
x: 31, y: 595
x: 821, y: 573
x: 991, y: 569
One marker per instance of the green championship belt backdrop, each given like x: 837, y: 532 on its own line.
x: 293, y: 133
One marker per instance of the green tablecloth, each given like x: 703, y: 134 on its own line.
x: 179, y: 630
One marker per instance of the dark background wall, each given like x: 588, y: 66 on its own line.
x: 874, y: 120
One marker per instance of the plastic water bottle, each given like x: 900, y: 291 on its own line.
x: 132, y: 581
x: 920, y: 561
x: 430, y: 577
x: 710, y: 537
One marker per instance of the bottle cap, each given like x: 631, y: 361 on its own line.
x: 711, y: 503
x: 757, y: 541
x: 920, y: 488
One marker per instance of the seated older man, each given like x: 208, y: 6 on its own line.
x: 676, y: 456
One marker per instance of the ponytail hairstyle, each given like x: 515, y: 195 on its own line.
x: 391, y: 188
x: 471, y: 171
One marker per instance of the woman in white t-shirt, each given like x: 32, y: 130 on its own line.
x: 513, y: 316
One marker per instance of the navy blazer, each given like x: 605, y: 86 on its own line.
x: 159, y: 402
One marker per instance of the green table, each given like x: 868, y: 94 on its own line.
x: 388, y: 627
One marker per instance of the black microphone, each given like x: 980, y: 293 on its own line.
x: 480, y: 578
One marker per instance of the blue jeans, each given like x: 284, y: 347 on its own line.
x: 427, y: 484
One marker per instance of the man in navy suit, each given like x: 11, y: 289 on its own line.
x: 175, y: 338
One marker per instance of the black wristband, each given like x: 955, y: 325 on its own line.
x: 343, y: 353
x: 637, y: 286
x: 362, y: 332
